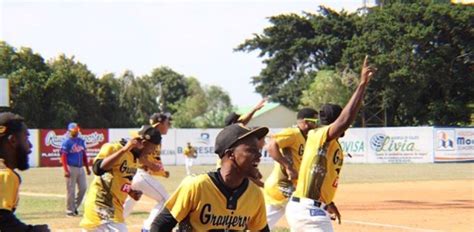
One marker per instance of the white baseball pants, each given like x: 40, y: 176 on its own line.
x: 304, y: 216
x: 150, y: 187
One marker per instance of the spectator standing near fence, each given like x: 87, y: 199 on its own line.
x: 74, y: 158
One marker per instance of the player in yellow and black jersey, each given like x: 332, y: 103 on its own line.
x: 114, y: 167
x: 14, y: 150
x: 286, y: 148
x: 312, y: 207
x: 224, y: 200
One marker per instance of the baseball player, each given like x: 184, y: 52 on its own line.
x: 73, y: 159
x: 189, y: 156
x: 286, y: 148
x: 14, y: 150
x: 233, y: 118
x: 151, y: 165
x: 312, y: 206
x: 224, y: 200
x: 114, y: 167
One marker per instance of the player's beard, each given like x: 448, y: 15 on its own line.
x: 22, y: 158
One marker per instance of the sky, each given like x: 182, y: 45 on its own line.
x: 194, y: 38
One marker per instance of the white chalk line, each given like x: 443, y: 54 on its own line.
x: 389, y: 226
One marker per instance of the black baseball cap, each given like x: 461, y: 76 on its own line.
x: 149, y: 133
x: 232, y: 118
x: 307, y: 113
x: 10, y: 123
x: 230, y: 135
x: 159, y: 117
x: 329, y: 113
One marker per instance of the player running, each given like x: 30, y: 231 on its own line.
x: 311, y: 207
x: 224, y: 199
x: 151, y: 165
x: 286, y: 148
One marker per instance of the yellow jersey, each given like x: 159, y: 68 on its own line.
x: 320, y: 168
x: 189, y: 152
x: 9, y: 186
x: 155, y: 157
x: 107, y: 193
x: 203, y: 203
x: 277, y: 186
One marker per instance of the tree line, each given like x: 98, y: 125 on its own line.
x: 51, y: 94
x: 423, y: 51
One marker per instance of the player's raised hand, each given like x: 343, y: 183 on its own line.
x: 261, y: 103
x: 134, y: 143
x: 367, y: 71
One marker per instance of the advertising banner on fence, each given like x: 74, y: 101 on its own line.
x: 50, y: 141
x: 203, y: 140
x: 400, y: 145
x: 453, y: 144
x: 354, y: 144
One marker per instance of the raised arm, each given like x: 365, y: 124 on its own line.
x: 245, y: 119
x: 349, y: 113
x: 109, y: 161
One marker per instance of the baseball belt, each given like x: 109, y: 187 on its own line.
x: 310, y: 202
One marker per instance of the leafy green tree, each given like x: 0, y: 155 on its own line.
x: 108, y: 96
x: 328, y: 87
x: 173, y: 87
x: 218, y: 107
x: 27, y: 73
x: 424, y: 55
x: 137, y: 97
x: 192, y: 106
x: 70, y: 95
x: 295, y: 47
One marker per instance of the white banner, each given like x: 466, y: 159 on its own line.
x: 202, y: 140
x: 354, y: 144
x: 453, y: 144
x: 400, y: 145
x: 34, y: 157
x: 4, y: 92
x: 365, y: 145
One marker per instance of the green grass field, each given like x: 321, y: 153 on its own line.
x: 49, y: 208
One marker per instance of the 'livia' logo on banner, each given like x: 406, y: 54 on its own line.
x: 385, y: 143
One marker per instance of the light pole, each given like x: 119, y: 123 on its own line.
x: 160, y: 99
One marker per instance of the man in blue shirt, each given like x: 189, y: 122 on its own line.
x: 74, y: 157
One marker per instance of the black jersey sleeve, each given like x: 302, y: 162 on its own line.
x: 164, y: 222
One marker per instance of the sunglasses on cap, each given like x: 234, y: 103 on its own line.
x: 313, y: 120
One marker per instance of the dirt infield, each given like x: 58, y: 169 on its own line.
x: 406, y: 206
x: 429, y: 197
x: 402, y: 206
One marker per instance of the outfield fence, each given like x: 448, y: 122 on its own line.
x: 360, y: 145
